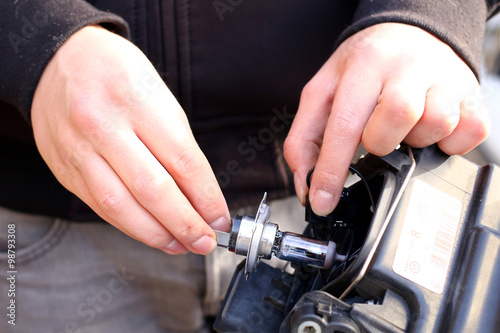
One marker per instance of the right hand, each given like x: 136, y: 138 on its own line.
x: 113, y: 134
x: 386, y: 84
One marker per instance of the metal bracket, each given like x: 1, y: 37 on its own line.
x: 387, y: 219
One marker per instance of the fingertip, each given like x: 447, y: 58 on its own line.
x: 327, y: 182
x: 323, y: 202
x: 481, y: 124
x: 300, y: 189
x: 400, y: 106
x: 175, y: 247
x: 472, y: 130
x: 374, y: 148
x: 220, y: 224
x: 449, y: 147
x: 205, y: 245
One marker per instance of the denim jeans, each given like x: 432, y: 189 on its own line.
x: 90, y: 277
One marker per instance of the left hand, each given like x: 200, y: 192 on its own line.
x: 386, y: 84
x: 114, y: 135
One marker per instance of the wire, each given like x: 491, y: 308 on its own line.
x: 353, y: 255
x: 363, y: 179
x: 351, y: 242
x: 340, y: 269
x: 320, y: 274
x: 352, y: 169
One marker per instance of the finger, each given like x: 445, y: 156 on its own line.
x: 400, y: 106
x: 101, y: 188
x: 157, y: 192
x: 73, y: 180
x: 472, y: 129
x: 304, y: 140
x: 440, y: 117
x: 172, y: 143
x: 355, y: 100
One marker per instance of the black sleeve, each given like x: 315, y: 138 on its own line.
x: 31, y: 31
x: 458, y: 23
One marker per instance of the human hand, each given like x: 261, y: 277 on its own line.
x: 113, y: 134
x: 386, y: 84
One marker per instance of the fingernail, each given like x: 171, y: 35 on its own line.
x: 322, y: 202
x: 176, y: 247
x: 204, y: 245
x: 298, y: 188
x: 221, y: 224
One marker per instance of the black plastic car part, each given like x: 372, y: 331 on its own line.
x: 435, y: 266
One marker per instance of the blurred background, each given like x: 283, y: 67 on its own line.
x: 489, y: 150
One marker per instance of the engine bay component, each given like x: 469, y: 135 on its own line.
x: 420, y: 234
x: 257, y: 238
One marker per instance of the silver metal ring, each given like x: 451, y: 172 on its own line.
x: 263, y: 214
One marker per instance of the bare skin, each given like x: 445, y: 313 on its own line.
x: 387, y: 84
x: 113, y: 134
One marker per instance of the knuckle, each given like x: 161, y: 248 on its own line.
x: 158, y: 240
x: 443, y: 127
x: 82, y: 115
x: 404, y: 110
x: 323, y: 176
x: 347, y: 119
x: 309, y: 89
x: 481, y: 129
x: 189, y: 230
x: 149, y: 187
x: 319, y: 89
x: 110, y: 204
x: 86, y: 115
x: 296, y: 149
x: 189, y: 163
x: 477, y: 120
x: 80, y: 152
x: 367, y: 50
x: 438, y: 124
x: 401, y: 110
x: 290, y: 145
x: 70, y: 177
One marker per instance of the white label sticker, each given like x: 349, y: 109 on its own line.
x: 427, y: 240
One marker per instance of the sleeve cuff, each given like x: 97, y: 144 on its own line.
x: 459, y: 23
x: 35, y: 32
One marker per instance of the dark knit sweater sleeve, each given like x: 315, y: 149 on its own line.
x: 31, y: 31
x: 458, y: 23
